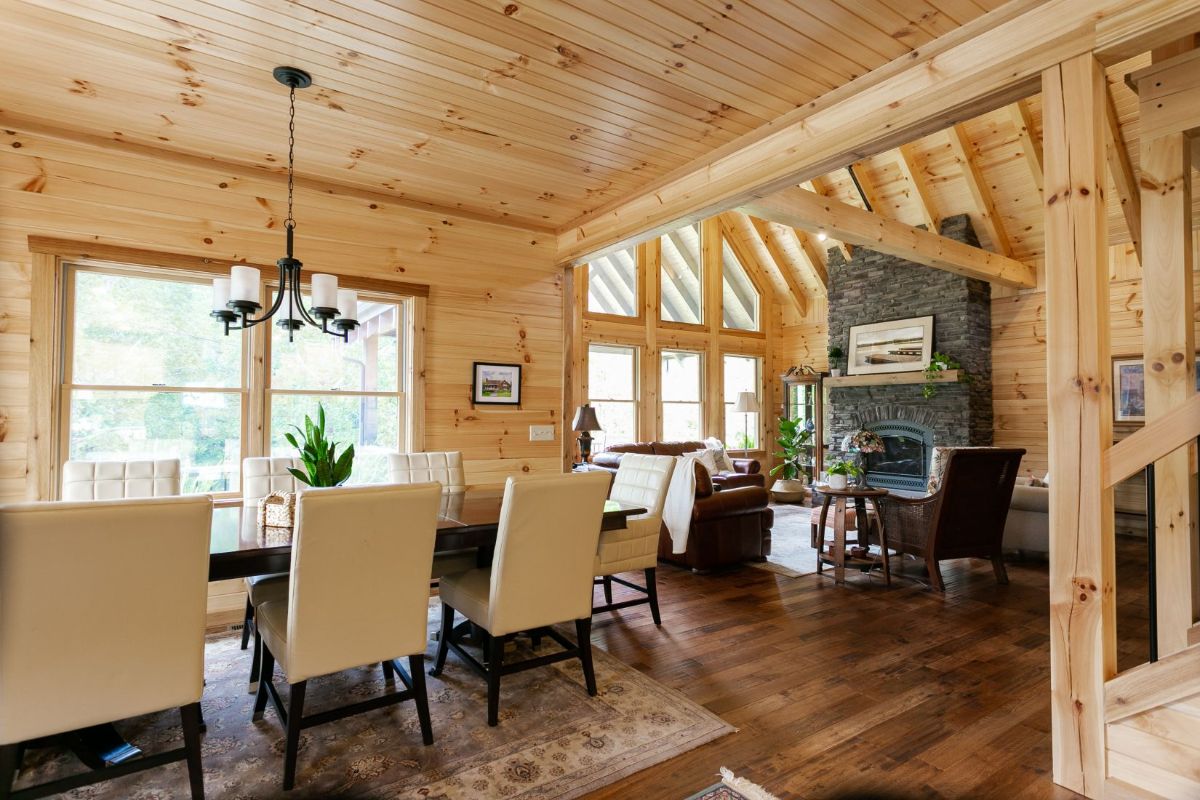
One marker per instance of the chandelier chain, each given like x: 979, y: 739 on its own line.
x: 291, y: 222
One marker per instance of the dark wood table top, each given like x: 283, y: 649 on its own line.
x: 239, y: 548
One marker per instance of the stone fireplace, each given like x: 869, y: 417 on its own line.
x: 873, y: 287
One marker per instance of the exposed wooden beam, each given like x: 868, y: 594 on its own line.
x: 1124, y: 178
x: 861, y: 171
x: 812, y: 255
x: 1031, y: 146
x: 783, y: 263
x: 1079, y: 396
x: 980, y: 66
x: 802, y: 209
x: 981, y: 190
x: 909, y: 163
x: 819, y: 186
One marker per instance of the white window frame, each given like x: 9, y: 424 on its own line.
x: 701, y: 400
x: 727, y: 406
x: 635, y: 401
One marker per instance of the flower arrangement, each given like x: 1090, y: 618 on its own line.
x: 863, y: 441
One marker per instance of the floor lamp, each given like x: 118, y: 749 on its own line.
x: 747, y: 403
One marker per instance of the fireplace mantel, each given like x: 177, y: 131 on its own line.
x: 894, y: 378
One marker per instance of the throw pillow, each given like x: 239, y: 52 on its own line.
x: 706, y: 458
x: 724, y: 464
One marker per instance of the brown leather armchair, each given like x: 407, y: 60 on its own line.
x: 728, y: 527
x: 746, y: 471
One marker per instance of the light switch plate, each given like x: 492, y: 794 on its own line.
x: 541, y: 433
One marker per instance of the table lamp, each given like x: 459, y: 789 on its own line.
x: 585, y: 423
x: 747, y: 403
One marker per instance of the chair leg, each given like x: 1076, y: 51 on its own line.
x: 935, y: 574
x: 255, y: 663
x: 190, y: 717
x: 10, y: 765
x: 535, y: 638
x: 652, y: 592
x: 247, y: 622
x: 416, y: 667
x: 295, y: 715
x: 1000, y: 570
x: 439, y: 663
x: 265, y: 675
x: 389, y: 672
x: 608, y: 589
x: 583, y: 638
x: 495, y: 662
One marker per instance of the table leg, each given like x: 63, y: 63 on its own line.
x: 820, y: 542
x: 839, y: 541
x: 883, y: 544
x: 860, y: 519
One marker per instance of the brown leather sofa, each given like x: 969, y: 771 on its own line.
x: 728, y: 527
x: 746, y: 471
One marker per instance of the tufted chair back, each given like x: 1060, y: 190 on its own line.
x: 444, y: 468
x: 263, y: 475
x: 116, y: 480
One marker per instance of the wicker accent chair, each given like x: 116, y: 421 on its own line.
x: 964, y: 518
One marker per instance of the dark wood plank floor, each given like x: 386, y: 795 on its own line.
x: 861, y: 691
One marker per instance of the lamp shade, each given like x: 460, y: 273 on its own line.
x: 747, y: 403
x: 585, y: 419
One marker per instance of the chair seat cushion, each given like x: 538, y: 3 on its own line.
x: 271, y: 619
x: 262, y: 588
x: 454, y: 561
x: 468, y: 593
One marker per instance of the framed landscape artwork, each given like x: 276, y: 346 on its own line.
x: 901, y: 345
x: 1129, y: 389
x: 496, y: 384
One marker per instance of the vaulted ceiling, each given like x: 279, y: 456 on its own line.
x: 532, y: 110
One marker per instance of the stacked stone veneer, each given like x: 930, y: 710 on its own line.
x: 873, y: 287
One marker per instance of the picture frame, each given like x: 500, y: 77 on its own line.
x: 1129, y: 388
x: 899, y: 345
x: 495, y: 384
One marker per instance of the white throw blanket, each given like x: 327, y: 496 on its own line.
x: 681, y: 496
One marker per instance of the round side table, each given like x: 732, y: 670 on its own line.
x: 839, y: 558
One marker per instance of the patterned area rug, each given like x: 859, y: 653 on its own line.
x: 733, y: 788
x: 791, y: 554
x: 553, y: 741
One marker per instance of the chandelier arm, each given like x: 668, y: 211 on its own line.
x: 250, y: 323
x: 299, y: 300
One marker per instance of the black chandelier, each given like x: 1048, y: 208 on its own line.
x: 237, y: 297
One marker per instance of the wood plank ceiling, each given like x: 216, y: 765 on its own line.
x: 535, y: 111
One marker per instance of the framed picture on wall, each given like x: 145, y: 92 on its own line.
x: 1129, y: 388
x: 496, y: 384
x: 900, y: 345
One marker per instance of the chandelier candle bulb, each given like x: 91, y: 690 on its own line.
x: 324, y: 291
x: 220, y: 301
x: 244, y: 284
x: 347, y: 304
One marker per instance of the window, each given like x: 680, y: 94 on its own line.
x: 741, y: 375
x: 612, y: 390
x: 682, y: 396
x: 147, y: 373
x: 612, y: 284
x: 134, y: 388
x: 739, y: 297
x: 681, y: 276
x: 358, y: 382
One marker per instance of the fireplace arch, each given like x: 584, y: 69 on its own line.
x: 904, y: 463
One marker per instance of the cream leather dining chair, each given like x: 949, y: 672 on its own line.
x: 113, y: 480
x: 641, y: 480
x: 261, y: 476
x: 445, y: 468
x: 119, y: 588
x: 358, y: 554
x: 541, y: 575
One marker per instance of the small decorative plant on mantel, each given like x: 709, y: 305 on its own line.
x: 323, y: 466
x: 835, y: 361
x: 940, y: 362
x: 840, y: 472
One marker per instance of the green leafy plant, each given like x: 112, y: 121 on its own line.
x: 847, y: 468
x: 835, y: 355
x: 939, y: 363
x: 793, y: 438
x: 324, y: 466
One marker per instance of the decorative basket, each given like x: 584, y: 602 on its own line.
x: 277, y: 510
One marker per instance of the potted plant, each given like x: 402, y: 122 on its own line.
x: 323, y: 466
x: 835, y: 361
x: 862, y: 442
x: 840, y: 472
x: 793, y: 440
x: 940, y: 362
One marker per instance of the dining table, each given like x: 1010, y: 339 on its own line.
x: 240, y: 547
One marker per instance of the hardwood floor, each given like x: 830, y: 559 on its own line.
x: 861, y: 691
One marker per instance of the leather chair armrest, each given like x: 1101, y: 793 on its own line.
x: 731, y: 503
x: 747, y: 466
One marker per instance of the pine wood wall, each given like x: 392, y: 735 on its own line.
x: 495, y: 293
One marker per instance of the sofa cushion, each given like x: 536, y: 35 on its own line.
x: 1031, y: 498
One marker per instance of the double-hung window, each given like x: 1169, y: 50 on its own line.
x: 741, y: 428
x: 682, y: 392
x: 612, y: 391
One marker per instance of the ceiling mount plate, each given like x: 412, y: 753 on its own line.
x: 292, y: 76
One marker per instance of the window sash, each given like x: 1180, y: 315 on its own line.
x: 755, y: 419
x: 698, y: 402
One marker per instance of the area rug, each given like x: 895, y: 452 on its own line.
x: 733, y: 788
x: 791, y: 555
x: 553, y: 741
